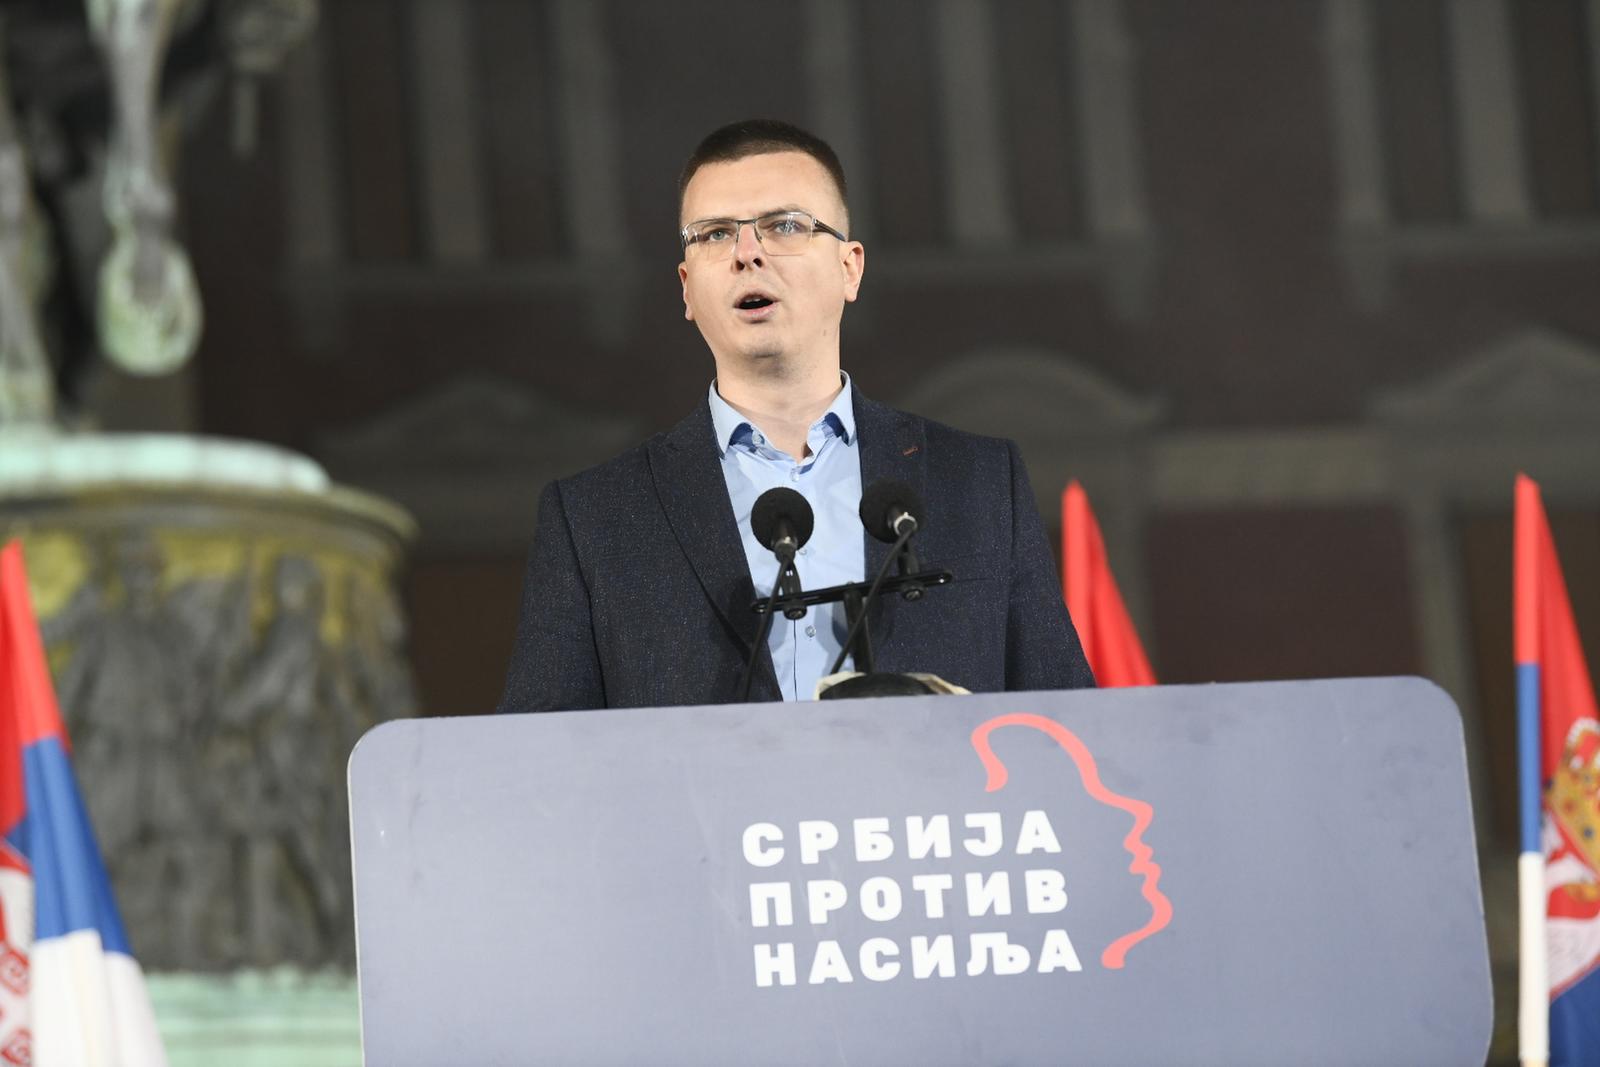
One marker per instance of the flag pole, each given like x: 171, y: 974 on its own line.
x: 1533, y: 974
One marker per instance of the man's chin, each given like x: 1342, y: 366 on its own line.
x: 763, y: 356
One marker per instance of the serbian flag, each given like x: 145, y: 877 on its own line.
x: 1558, y: 752
x: 71, y: 994
x: 1109, y: 641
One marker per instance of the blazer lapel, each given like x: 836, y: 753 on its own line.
x: 694, y: 495
x: 893, y: 448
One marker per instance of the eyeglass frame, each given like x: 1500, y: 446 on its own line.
x: 816, y: 224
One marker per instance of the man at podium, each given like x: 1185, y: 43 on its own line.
x: 643, y: 571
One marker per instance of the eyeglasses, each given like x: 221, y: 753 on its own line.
x: 782, y: 233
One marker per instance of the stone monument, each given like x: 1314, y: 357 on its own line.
x: 221, y: 621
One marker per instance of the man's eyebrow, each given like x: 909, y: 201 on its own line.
x: 758, y: 215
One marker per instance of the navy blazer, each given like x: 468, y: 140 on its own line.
x: 638, y: 592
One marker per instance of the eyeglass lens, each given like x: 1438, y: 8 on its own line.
x: 783, y: 233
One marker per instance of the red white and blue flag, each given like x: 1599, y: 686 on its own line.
x: 71, y: 992
x: 1558, y: 747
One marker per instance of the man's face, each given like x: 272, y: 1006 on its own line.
x: 791, y: 304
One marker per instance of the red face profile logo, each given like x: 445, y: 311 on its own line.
x: 1160, y: 907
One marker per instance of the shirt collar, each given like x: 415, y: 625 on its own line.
x: 729, y: 426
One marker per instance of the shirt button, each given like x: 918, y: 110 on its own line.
x: 805, y: 551
x: 794, y: 475
x: 811, y: 631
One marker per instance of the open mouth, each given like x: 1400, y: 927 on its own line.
x: 754, y: 302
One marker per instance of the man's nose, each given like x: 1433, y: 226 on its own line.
x: 747, y: 248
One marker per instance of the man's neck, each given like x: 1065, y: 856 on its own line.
x: 784, y: 409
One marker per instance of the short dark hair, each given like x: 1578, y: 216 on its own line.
x: 755, y: 137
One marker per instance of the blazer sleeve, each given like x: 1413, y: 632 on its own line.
x: 554, y: 663
x: 1042, y: 647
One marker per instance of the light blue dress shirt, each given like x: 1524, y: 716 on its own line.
x: 830, y: 480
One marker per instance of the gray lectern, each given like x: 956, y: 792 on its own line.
x: 1232, y: 874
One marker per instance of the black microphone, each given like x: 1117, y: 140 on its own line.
x: 890, y: 509
x: 782, y: 521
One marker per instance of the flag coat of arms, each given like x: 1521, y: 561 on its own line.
x: 71, y: 993
x: 1559, y: 755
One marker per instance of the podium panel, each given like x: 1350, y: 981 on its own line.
x: 1231, y: 874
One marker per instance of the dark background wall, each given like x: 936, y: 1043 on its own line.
x: 1293, y: 285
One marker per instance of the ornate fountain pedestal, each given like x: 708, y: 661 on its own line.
x: 222, y: 625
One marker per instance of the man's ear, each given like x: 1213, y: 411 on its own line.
x: 683, y: 282
x: 854, y: 261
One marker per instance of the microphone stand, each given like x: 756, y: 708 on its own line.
x: 858, y: 624
x: 786, y: 592
x: 857, y: 598
x: 765, y: 628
